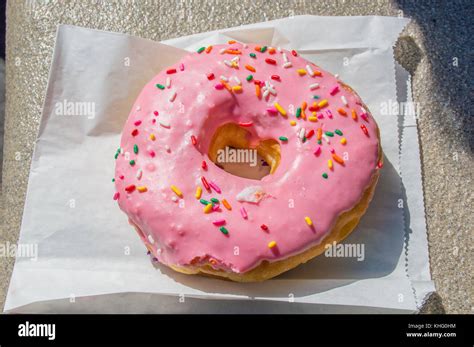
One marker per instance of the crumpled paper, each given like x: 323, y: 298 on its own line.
x: 91, y: 260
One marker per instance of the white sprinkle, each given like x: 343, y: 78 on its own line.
x: 222, y: 51
x: 287, y: 65
x: 266, y: 93
x: 164, y: 123
x: 139, y: 173
x: 337, y: 76
x: 172, y: 96
x: 326, y: 138
x: 235, y: 59
x: 168, y: 149
x: 138, y: 108
x: 127, y: 155
x: 174, y: 198
x: 168, y: 82
x: 363, y: 110
x: 314, y: 86
x: 279, y: 49
x: 344, y: 100
x: 246, y: 45
x: 228, y: 63
x: 285, y: 58
x: 310, y: 70
x: 302, y: 133
x: 150, y: 239
x: 225, y: 79
x: 236, y: 79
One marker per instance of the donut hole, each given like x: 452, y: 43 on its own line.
x: 236, y: 151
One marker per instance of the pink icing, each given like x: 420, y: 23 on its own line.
x: 181, y: 233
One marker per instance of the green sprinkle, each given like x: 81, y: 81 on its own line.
x: 201, y: 49
x: 224, y: 230
x: 135, y: 149
x: 249, y: 78
x: 325, y: 175
x: 319, y: 142
x: 328, y: 133
x: 283, y: 138
x: 132, y: 162
x: 116, y: 154
x: 113, y: 179
x: 253, y: 55
x: 160, y: 86
x: 263, y: 49
x: 214, y: 200
x: 315, y: 96
x: 298, y: 112
x: 337, y: 131
x: 204, y: 202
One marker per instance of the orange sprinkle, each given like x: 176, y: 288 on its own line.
x: 258, y: 48
x: 226, y: 85
x: 233, y: 51
x: 230, y: 42
x: 320, y: 133
x: 208, y: 49
x: 342, y: 111
x: 304, y: 105
x: 226, y: 204
x: 354, y: 115
x: 317, y: 73
x: 250, y: 68
x: 271, y: 50
x: 338, y: 159
x: 257, y: 91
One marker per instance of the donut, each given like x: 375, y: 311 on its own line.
x: 318, y: 140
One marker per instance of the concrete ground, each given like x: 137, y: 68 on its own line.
x: 436, y: 48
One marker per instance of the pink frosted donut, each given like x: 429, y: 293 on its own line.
x: 320, y: 142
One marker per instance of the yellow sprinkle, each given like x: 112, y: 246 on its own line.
x: 226, y: 204
x: 237, y: 89
x: 152, y: 137
x: 198, y: 192
x: 308, y: 221
x: 313, y: 119
x: 208, y: 208
x: 142, y: 189
x: 234, y: 64
x: 280, y: 109
x: 330, y: 164
x: 176, y: 191
x: 292, y: 123
x: 343, y: 141
x: 272, y: 244
x: 301, y: 72
x: 323, y: 103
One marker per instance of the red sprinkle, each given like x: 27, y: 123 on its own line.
x: 153, y: 120
x: 246, y: 124
x: 210, y: 76
x: 130, y: 188
x: 170, y: 71
x: 121, y: 177
x: 310, y: 134
x: 155, y: 113
x: 364, y: 129
x: 194, y: 140
x: 204, y: 182
x: 264, y: 227
x: 380, y: 164
x: 116, y: 195
x: 138, y: 122
x: 294, y: 53
x: 270, y: 61
x: 204, y: 165
x: 276, y: 77
x: 135, y: 132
